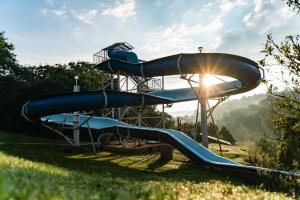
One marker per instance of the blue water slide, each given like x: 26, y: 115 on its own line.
x: 189, y: 94
x: 126, y: 56
x: 186, y: 145
x: 86, y: 101
x: 245, y: 72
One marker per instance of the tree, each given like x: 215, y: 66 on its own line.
x: 19, y: 84
x: 8, y: 63
x: 9, y: 84
x: 154, y: 117
x: 213, y: 130
x: 226, y: 135
x: 294, y: 4
x: 285, y: 102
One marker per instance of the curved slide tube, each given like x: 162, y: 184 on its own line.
x: 86, y: 101
x: 242, y: 69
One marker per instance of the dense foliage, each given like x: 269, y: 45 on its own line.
x: 223, y: 133
x: 226, y: 135
x: 19, y: 84
x: 285, y: 101
x: 212, y: 129
x: 8, y: 65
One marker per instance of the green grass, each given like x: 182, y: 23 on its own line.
x: 49, y: 172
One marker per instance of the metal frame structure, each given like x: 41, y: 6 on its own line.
x: 130, y: 83
x: 76, y: 126
x: 203, y: 105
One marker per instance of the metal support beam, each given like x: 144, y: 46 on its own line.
x: 112, y: 88
x: 76, y: 133
x: 118, y: 87
x: 91, y: 137
x: 163, y: 105
x: 59, y: 133
x: 203, y: 103
x: 213, y: 121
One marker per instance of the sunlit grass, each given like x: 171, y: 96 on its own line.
x: 43, y: 172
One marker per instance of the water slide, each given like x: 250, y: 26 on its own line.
x: 246, y: 73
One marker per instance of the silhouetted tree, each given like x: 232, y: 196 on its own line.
x: 226, y: 135
x: 294, y: 4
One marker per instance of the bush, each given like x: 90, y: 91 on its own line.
x: 263, y: 153
x: 226, y: 135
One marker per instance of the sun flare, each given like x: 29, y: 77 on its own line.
x: 210, y: 80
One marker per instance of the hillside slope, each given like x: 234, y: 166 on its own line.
x: 48, y: 172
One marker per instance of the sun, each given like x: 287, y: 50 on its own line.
x: 210, y: 80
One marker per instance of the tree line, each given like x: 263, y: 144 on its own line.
x: 21, y: 83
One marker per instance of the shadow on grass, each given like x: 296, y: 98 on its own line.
x: 109, y: 164
x: 121, y: 165
x: 157, y: 164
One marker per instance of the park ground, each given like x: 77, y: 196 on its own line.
x: 32, y: 171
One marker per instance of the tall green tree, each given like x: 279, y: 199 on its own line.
x: 8, y: 63
x: 285, y: 101
x: 10, y: 84
x: 9, y: 66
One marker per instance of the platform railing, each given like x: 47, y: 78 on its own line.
x: 100, y: 56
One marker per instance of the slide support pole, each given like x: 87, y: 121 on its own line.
x: 112, y: 88
x: 203, y: 103
x: 163, y: 105
x: 76, y: 133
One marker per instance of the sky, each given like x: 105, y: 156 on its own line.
x: 52, y: 31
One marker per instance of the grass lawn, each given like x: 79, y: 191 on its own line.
x: 30, y: 171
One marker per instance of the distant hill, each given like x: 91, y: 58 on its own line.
x: 248, y: 123
x: 234, y: 104
x: 246, y: 118
x: 223, y: 108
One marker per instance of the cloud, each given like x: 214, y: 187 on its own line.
x: 85, y: 16
x: 44, y: 11
x: 179, y: 38
x: 50, y: 2
x: 187, y: 36
x: 77, y: 33
x: 227, y: 5
x: 266, y: 16
x: 61, y: 13
x: 122, y: 10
